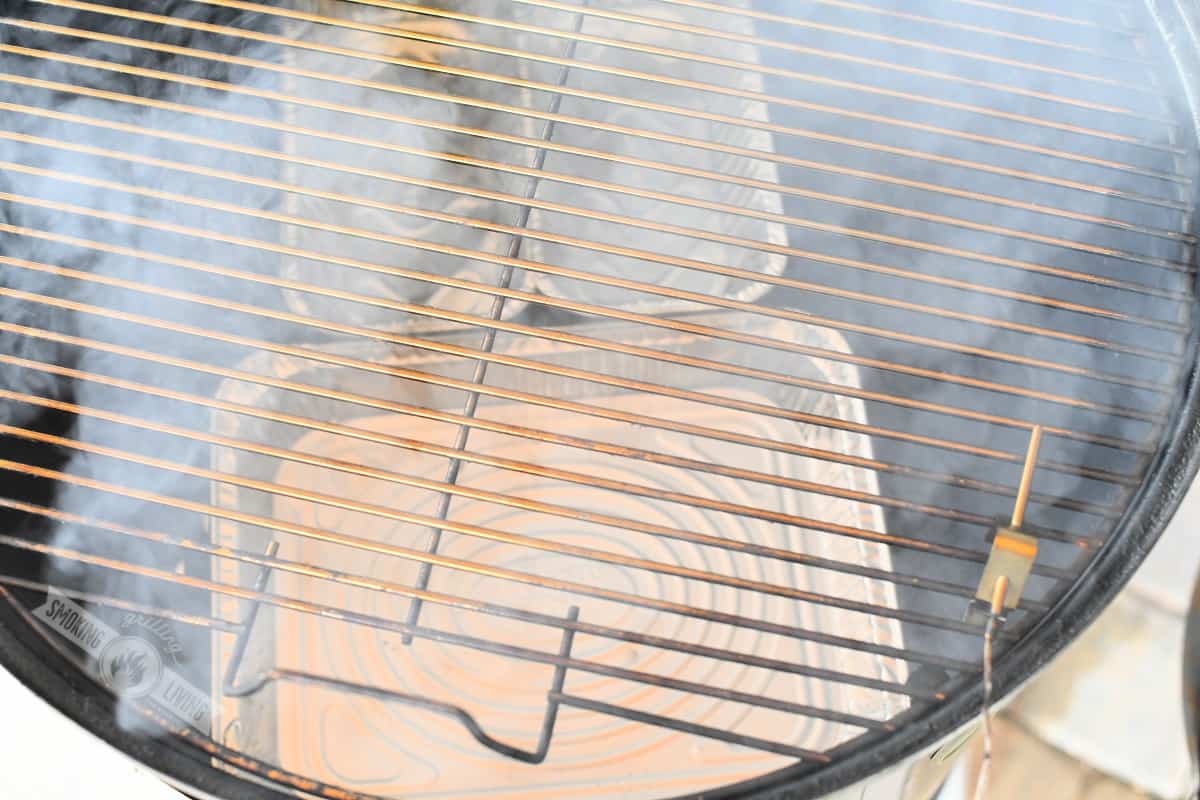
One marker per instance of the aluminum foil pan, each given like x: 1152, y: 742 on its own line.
x: 398, y: 751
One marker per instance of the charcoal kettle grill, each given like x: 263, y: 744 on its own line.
x: 581, y: 397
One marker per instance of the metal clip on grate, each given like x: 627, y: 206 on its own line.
x: 1013, y: 552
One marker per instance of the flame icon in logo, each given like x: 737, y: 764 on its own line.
x: 130, y: 666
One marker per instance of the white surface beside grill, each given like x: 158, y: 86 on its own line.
x: 49, y: 757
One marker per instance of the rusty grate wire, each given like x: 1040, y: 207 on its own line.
x: 592, y: 378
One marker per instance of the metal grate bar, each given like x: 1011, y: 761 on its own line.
x: 720, y: 734
x: 687, y: 55
x: 1067, y: 244
x: 882, y: 12
x: 270, y: 561
x: 534, y: 266
x: 660, y: 227
x: 750, y: 244
x: 1012, y: 8
x: 502, y: 260
x: 591, y: 309
x: 318, y: 534
x: 684, y: 55
x: 525, y: 397
x: 834, y: 55
x: 380, y: 438
x: 534, y: 469
x: 818, y: 525
x: 504, y: 428
x: 449, y: 488
x: 482, y: 645
x: 575, y: 339
x: 523, y: 432
x: 749, y: 275
x: 676, y: 169
x: 112, y: 602
x: 533, y: 113
x: 988, y: 4
x: 494, y: 135
x: 477, y: 255
x: 503, y: 537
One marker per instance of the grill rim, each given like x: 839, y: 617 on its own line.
x: 185, y: 760
x: 26, y: 651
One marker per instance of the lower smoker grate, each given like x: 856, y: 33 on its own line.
x: 521, y: 396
